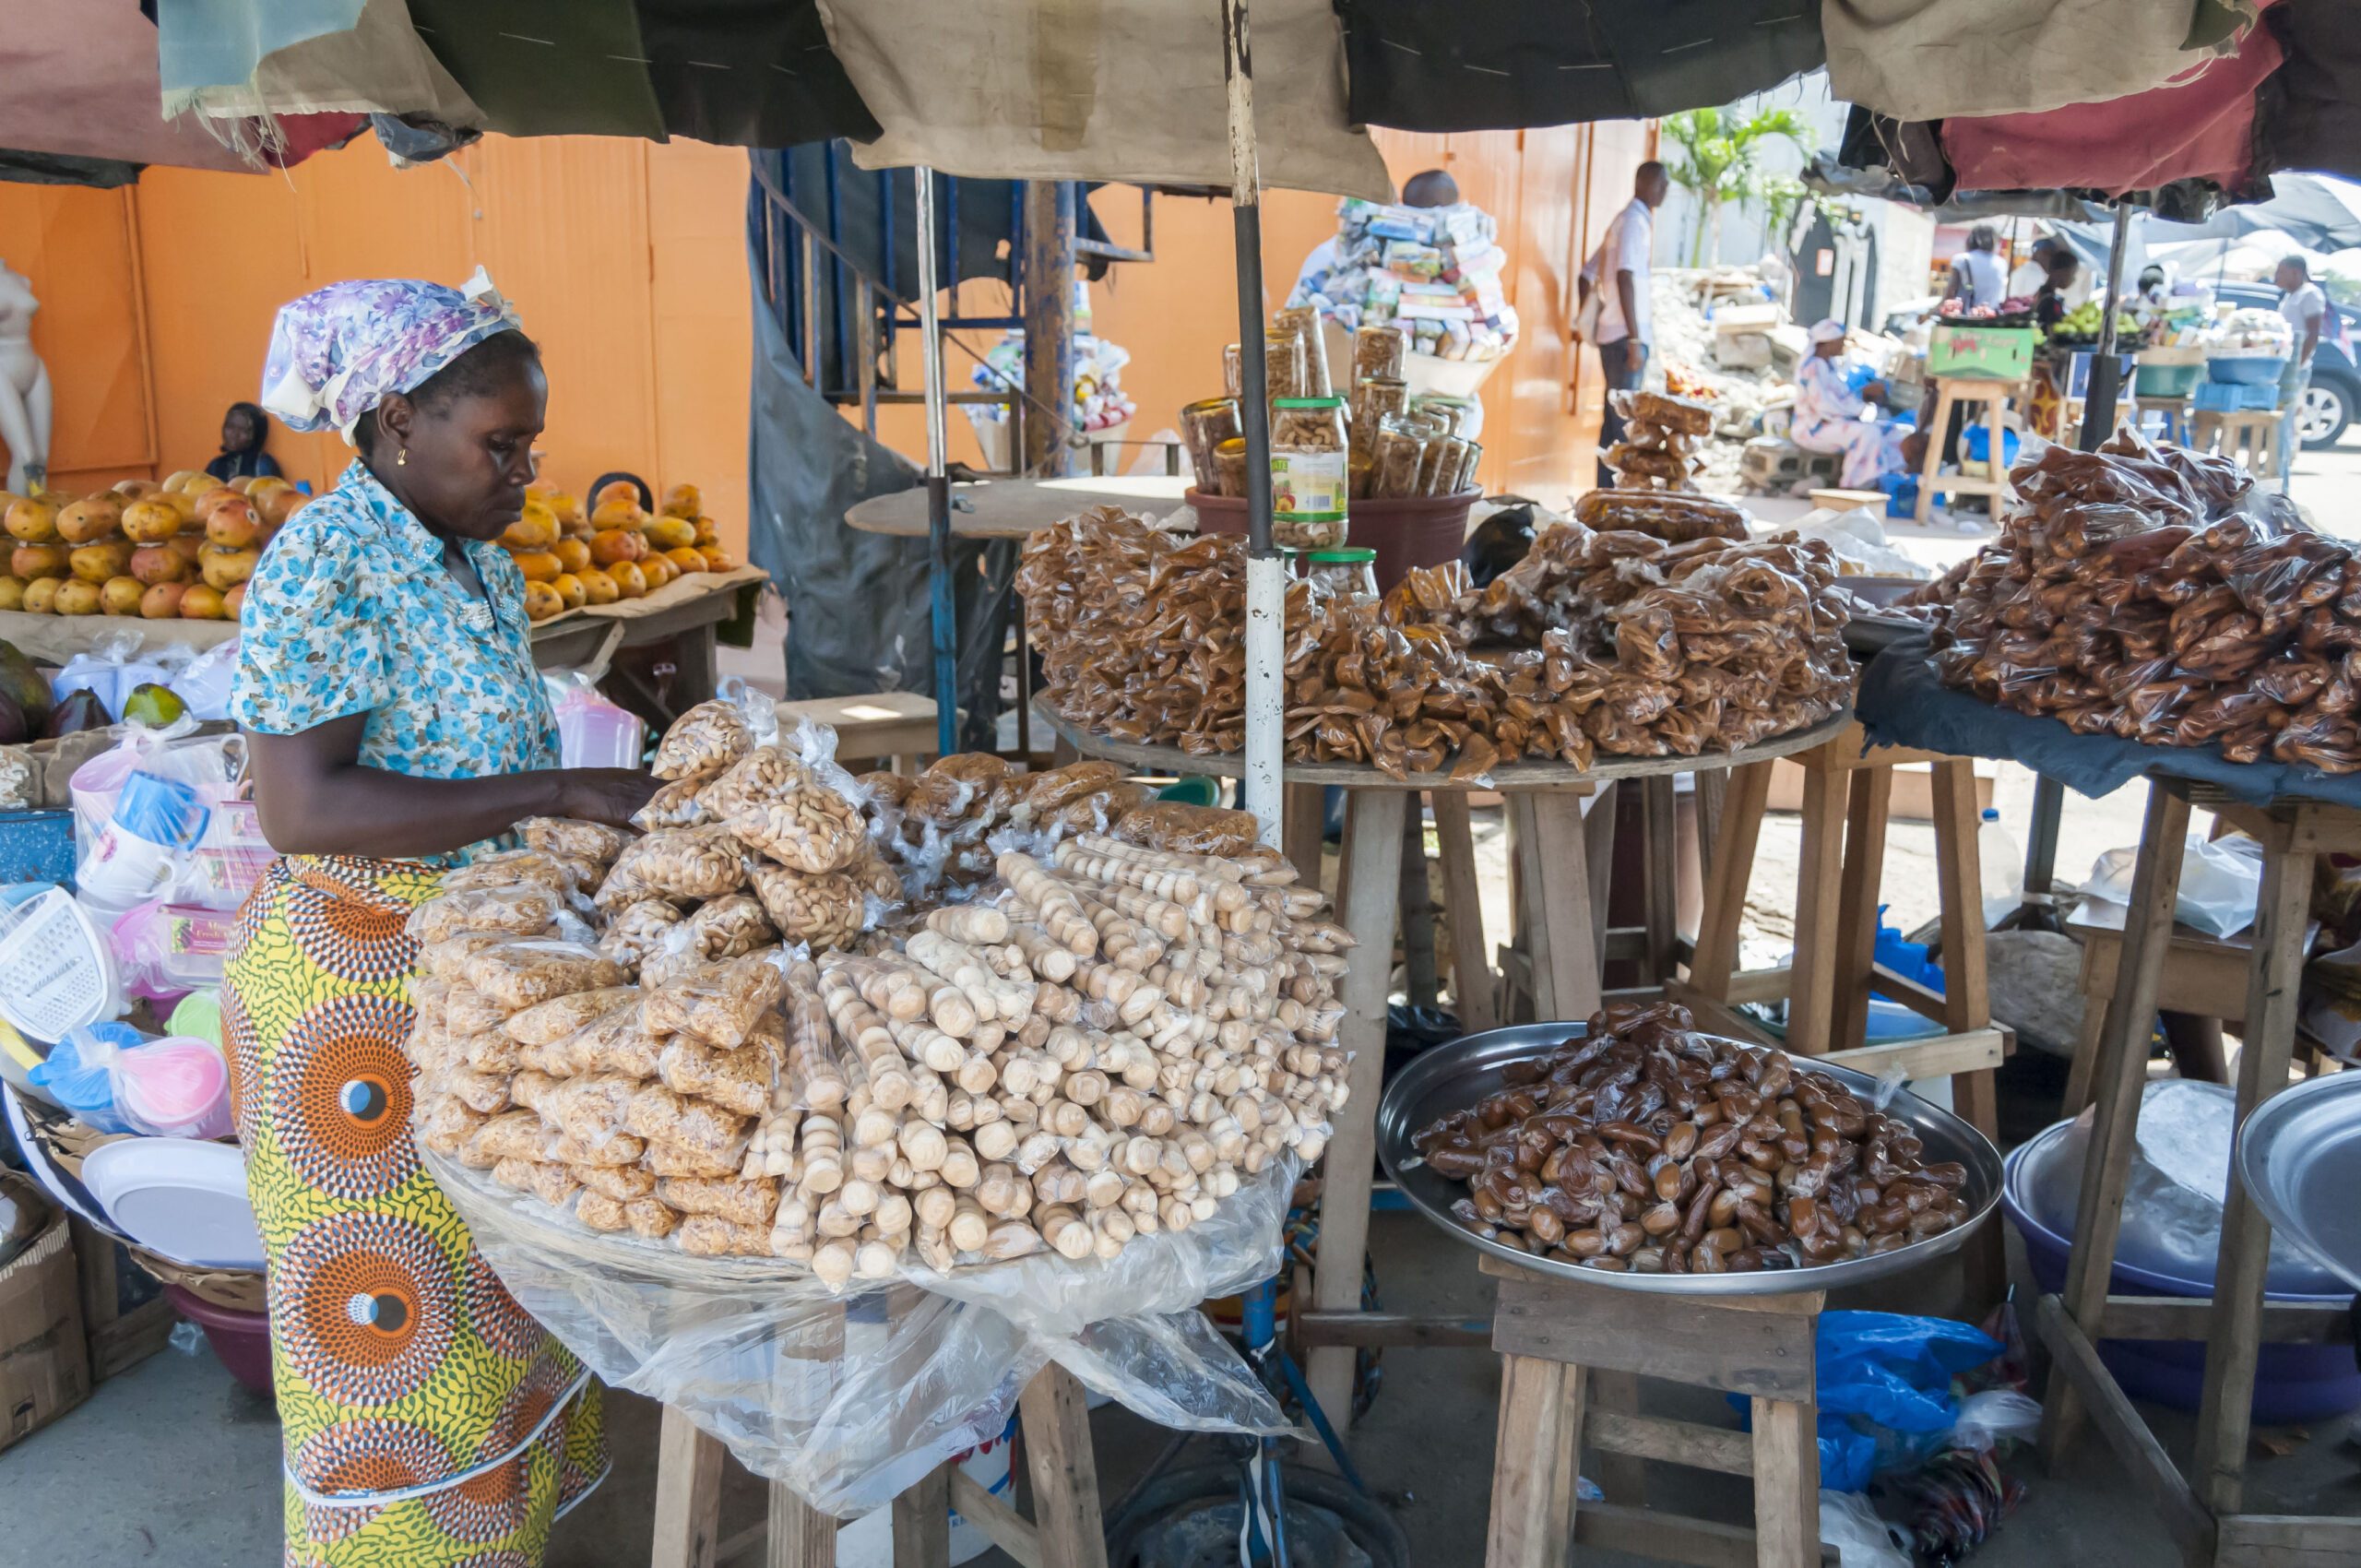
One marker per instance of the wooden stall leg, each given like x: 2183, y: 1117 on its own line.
x: 696, y: 658
x: 1471, y: 965
x: 1418, y: 909
x: 1856, y: 916
x: 688, y: 1494
x: 1927, y: 470
x: 1711, y: 797
x: 1812, y: 987
x: 923, y: 1523
x: 1622, y: 1477
x: 1968, y: 998
x: 1786, y: 1485
x: 1728, y: 870
x: 2121, y: 1071
x: 1372, y: 868
x: 2086, y: 1055
x: 1303, y: 819
x: 1661, y: 896
x: 1065, y: 1476
x: 1565, y: 985
x: 2281, y: 915
x: 1598, y: 847
x: 802, y: 1537
x: 1537, y: 1442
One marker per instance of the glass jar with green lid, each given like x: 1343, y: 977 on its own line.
x: 1340, y: 573
x: 1309, y: 487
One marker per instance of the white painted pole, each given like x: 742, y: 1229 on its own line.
x: 1265, y: 578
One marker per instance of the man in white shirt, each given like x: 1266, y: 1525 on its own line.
x: 2305, y: 309
x: 1619, y: 271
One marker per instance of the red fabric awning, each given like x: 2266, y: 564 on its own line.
x: 2200, y: 127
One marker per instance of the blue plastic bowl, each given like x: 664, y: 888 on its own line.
x: 2246, y: 370
x: 2293, y: 1384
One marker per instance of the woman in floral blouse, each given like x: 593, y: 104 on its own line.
x: 385, y: 682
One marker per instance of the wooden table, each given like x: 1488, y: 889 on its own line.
x: 1011, y: 508
x: 2204, y: 1512
x: 684, y: 613
x: 1565, y: 928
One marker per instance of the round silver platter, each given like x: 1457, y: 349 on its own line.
x: 2299, y: 1156
x: 1454, y: 1077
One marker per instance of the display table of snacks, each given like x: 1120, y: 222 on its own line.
x: 686, y: 613
x: 1714, y: 1277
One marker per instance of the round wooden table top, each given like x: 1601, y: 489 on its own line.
x: 1165, y: 761
x: 1011, y: 508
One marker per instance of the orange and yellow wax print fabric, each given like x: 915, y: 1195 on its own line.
x: 429, y: 1421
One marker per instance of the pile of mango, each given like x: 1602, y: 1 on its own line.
x: 181, y: 549
x: 615, y: 550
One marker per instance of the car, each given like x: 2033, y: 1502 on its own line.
x: 2333, y: 398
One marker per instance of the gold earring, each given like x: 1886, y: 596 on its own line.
x: 401, y: 459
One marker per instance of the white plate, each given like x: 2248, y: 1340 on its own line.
x: 182, y: 1197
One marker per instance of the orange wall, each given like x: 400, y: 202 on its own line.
x: 1552, y: 192
x: 625, y: 258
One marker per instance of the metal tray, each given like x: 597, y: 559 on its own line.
x: 2299, y: 1158
x: 1873, y: 633
x: 1454, y: 1077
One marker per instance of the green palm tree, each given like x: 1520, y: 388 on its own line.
x: 1717, y: 157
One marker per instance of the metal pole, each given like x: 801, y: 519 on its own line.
x: 938, y: 488
x: 2098, y: 404
x: 1266, y: 581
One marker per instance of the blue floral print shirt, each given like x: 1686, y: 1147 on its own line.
x: 352, y: 611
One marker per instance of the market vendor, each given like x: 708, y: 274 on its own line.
x: 393, y: 718
x: 2052, y: 302
x: 1828, y: 414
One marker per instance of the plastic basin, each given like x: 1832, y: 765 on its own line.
x: 2244, y: 370
x: 1412, y: 531
x: 2168, y: 380
x: 2293, y: 1384
x: 241, y: 1339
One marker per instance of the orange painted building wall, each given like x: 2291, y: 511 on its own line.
x: 625, y: 258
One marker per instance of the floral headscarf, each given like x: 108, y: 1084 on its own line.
x: 338, y: 354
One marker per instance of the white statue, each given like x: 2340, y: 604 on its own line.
x: 25, y: 407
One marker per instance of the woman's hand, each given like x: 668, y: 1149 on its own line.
x: 605, y: 794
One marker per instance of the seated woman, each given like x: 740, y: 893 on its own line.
x: 1827, y: 415
x: 244, y: 431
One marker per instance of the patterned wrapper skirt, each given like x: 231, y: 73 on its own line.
x: 428, y: 1420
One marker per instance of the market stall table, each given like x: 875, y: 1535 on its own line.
x: 684, y: 613
x: 1011, y: 508
x: 1563, y: 930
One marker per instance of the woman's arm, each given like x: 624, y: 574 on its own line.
x: 316, y: 798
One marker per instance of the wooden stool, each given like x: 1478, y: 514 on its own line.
x: 2203, y: 1513
x: 1950, y: 391
x: 896, y: 725
x: 1556, y: 1337
x: 1065, y: 1531
x: 2255, y: 429
x: 1828, y: 981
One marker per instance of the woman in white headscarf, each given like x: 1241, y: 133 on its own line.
x: 1828, y: 414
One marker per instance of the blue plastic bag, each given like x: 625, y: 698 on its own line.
x: 1883, y: 1388
x: 83, y: 1087
x: 1978, y: 444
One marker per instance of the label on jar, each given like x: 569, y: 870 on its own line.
x: 1307, y: 484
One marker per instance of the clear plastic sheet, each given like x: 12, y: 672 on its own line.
x: 852, y: 1398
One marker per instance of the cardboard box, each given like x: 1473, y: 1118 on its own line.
x: 44, y: 1361
x: 1998, y: 353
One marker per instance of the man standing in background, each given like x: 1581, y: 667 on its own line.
x: 2306, y: 308
x: 1617, y: 273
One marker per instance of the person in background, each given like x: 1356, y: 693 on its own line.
x: 1976, y: 275
x: 2306, y: 308
x: 1429, y: 187
x: 2049, y: 303
x: 244, y: 429
x: 1618, y: 270
x: 2028, y: 278
x: 1828, y: 414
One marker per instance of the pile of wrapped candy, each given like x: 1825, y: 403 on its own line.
x: 1660, y: 436
x: 2158, y: 595
x: 1622, y: 642
x: 1435, y: 271
x: 805, y: 1021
